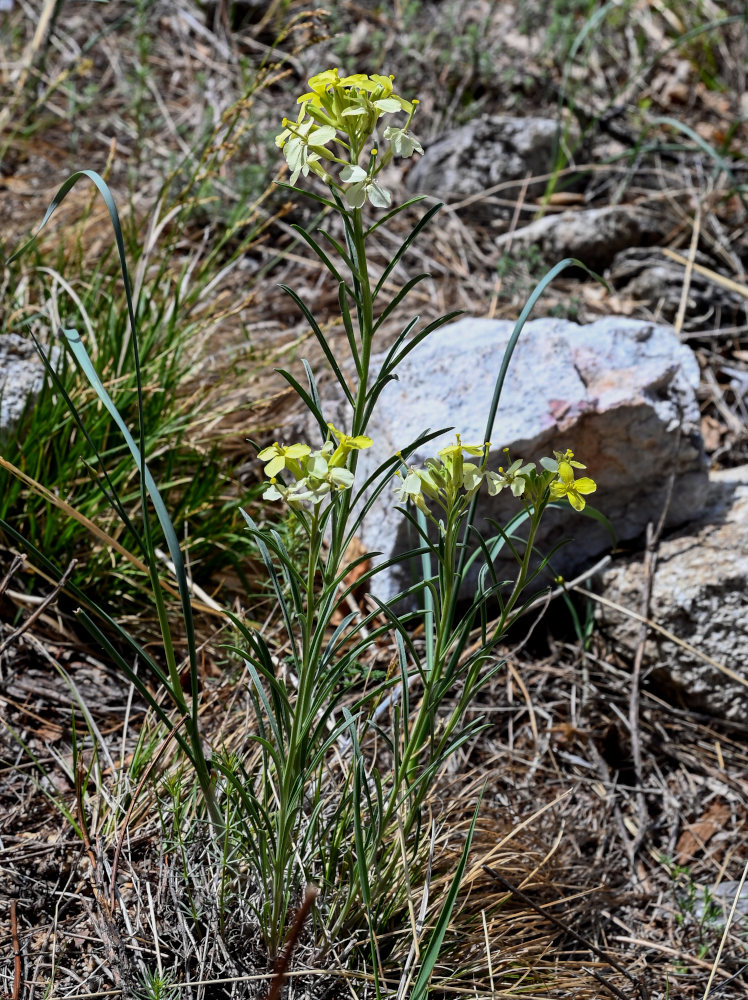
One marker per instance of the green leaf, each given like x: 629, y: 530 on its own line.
x: 395, y: 211
x: 311, y: 242
x: 419, y: 226
x: 321, y: 340
x: 345, y: 313
x: 431, y: 955
x: 395, y: 302
x: 309, y: 401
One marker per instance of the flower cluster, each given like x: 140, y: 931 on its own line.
x: 346, y: 110
x: 448, y: 476
x: 444, y: 479
x: 316, y: 475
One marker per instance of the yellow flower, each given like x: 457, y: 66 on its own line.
x: 402, y: 142
x: 363, y: 82
x: 353, y: 103
x: 566, y: 486
x: 465, y: 475
x: 363, y: 187
x: 319, y: 85
x: 347, y: 444
x: 410, y: 489
x: 515, y: 477
x: 303, y: 143
x: 279, y: 457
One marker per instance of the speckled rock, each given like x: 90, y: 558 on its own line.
x: 699, y: 595
x: 593, y: 235
x: 21, y: 379
x: 487, y: 151
x: 615, y: 391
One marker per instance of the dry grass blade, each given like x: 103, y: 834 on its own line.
x: 40, y: 608
x: 718, y: 279
x: 728, y: 924
x: 152, y: 764
x: 727, y: 671
x: 205, y: 602
x: 515, y: 891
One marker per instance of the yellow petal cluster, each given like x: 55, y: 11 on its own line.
x: 338, y: 118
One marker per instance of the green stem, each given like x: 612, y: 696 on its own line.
x: 192, y: 728
x: 423, y: 724
x: 519, y: 583
x: 294, y: 769
x: 365, y: 313
x: 366, y: 320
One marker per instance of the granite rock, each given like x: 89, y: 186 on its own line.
x: 698, y: 595
x: 486, y: 152
x: 619, y: 392
x: 21, y: 379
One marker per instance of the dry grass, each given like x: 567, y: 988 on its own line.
x: 557, y: 902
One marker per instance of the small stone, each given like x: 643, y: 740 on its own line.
x: 593, y: 236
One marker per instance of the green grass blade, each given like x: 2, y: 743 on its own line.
x: 109, y: 492
x: 720, y: 160
x: 359, y: 778
x: 431, y: 954
x: 81, y: 355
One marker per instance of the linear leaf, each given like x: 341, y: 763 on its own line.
x: 321, y: 340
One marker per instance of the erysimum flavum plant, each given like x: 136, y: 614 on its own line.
x: 348, y: 128
x: 332, y: 786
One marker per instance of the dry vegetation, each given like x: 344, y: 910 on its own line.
x: 586, y: 879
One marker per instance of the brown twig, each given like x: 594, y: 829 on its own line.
x: 284, y: 959
x: 52, y: 596
x: 17, y: 562
x: 17, y: 970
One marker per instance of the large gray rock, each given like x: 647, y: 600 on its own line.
x: 486, y: 152
x: 615, y: 391
x: 21, y: 379
x: 699, y: 595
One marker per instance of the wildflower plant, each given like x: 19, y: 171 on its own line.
x: 348, y: 128
x: 332, y: 787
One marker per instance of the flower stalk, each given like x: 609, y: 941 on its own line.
x: 338, y: 137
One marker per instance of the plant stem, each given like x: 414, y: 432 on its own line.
x: 294, y: 774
